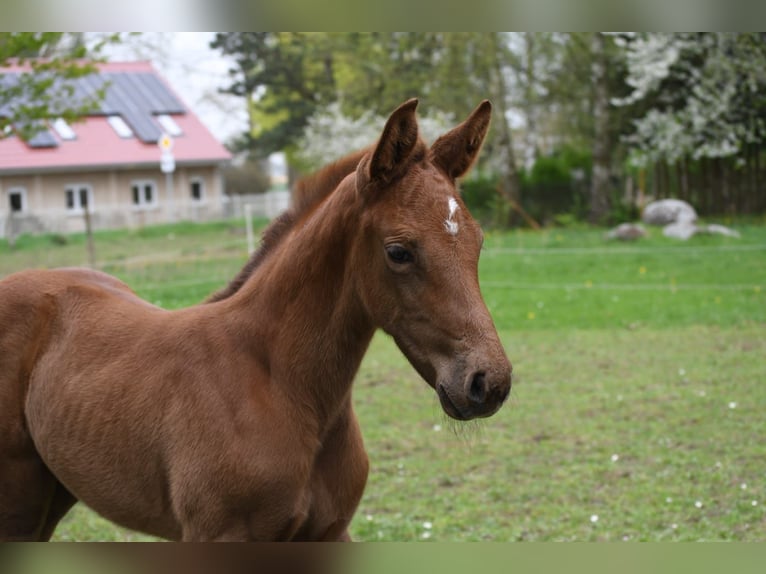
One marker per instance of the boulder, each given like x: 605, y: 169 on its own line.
x: 715, y: 228
x: 627, y: 232
x: 685, y: 229
x: 681, y: 230
x: 666, y: 211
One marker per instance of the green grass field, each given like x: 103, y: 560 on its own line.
x: 638, y: 405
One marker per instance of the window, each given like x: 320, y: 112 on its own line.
x: 197, y: 190
x: 17, y: 200
x: 64, y: 130
x: 169, y: 125
x: 144, y: 194
x: 120, y: 127
x: 78, y: 198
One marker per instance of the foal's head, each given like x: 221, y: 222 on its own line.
x: 419, y: 250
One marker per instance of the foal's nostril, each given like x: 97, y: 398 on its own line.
x: 478, y: 390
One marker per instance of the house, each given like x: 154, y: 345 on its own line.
x: 109, y: 163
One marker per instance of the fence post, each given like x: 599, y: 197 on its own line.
x: 249, y: 228
x: 11, y: 230
x: 89, y: 236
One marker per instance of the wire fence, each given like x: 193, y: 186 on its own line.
x: 665, y: 286
x: 623, y: 286
x: 554, y: 251
x: 229, y: 251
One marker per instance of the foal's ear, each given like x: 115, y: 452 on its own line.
x: 455, y: 151
x: 395, y: 144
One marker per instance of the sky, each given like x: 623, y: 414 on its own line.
x: 194, y: 71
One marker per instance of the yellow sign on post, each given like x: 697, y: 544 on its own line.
x: 168, y: 166
x: 166, y: 143
x: 167, y: 161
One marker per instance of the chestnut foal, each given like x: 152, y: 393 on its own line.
x: 232, y: 420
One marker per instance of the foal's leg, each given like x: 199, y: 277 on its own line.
x: 62, y: 502
x: 26, y: 493
x: 345, y: 537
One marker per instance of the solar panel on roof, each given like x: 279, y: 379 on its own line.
x: 40, y: 136
x: 42, y: 139
x: 87, y: 87
x: 163, y: 99
x: 142, y: 124
x: 136, y: 97
x: 146, y: 89
x: 5, y: 83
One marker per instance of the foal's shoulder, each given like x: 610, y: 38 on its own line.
x: 76, y: 284
x: 76, y: 278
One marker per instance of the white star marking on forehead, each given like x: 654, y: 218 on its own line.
x: 450, y: 224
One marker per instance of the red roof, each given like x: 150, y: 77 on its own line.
x: 97, y: 145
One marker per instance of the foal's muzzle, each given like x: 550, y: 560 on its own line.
x: 480, y: 395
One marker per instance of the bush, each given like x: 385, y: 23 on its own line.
x: 557, y: 184
x: 480, y: 196
x: 550, y: 170
x: 251, y: 177
x: 555, y: 187
x: 621, y: 212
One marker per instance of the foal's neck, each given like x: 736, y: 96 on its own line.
x: 302, y: 307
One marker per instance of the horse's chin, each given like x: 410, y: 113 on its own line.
x: 440, y: 374
x: 430, y: 376
x: 448, y: 406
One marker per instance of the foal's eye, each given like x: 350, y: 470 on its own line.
x: 398, y: 254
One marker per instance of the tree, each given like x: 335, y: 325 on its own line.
x: 702, y: 94
x: 40, y: 89
x: 495, y: 51
x: 289, y: 78
x: 578, y: 75
x: 283, y: 77
x: 450, y: 72
x: 332, y: 134
x: 701, y: 126
x: 598, y: 200
x: 376, y: 71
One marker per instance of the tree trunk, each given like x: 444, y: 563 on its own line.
x: 598, y: 207
x: 666, y: 179
x: 509, y: 184
x: 709, y: 180
x: 753, y: 199
x: 656, y: 181
x: 684, y: 179
x: 717, y: 199
x: 530, y: 101
x: 759, y: 201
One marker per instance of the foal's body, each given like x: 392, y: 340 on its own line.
x: 204, y: 476
x: 232, y: 420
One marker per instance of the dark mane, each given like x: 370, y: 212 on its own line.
x: 307, y: 194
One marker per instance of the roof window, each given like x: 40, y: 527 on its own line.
x: 120, y: 127
x: 169, y: 125
x: 64, y: 130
